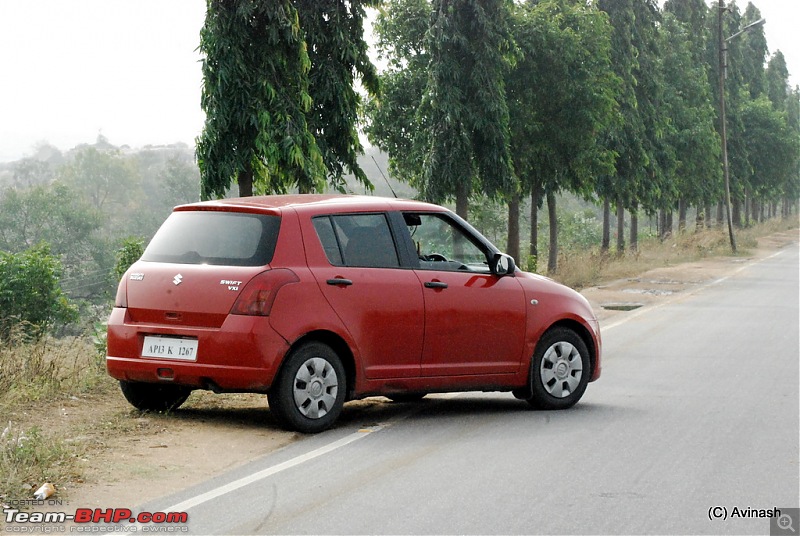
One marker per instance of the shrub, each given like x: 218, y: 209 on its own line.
x: 30, y: 291
x: 128, y: 253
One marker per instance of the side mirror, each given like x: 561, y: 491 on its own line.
x: 503, y: 264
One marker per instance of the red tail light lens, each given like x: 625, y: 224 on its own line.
x: 259, y: 294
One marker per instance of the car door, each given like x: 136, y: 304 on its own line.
x: 474, y: 320
x: 378, y: 300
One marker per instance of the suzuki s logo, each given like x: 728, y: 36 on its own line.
x: 177, y: 279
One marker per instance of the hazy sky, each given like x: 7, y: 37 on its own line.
x: 72, y: 69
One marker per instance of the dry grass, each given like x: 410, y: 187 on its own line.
x: 33, y: 374
x: 33, y: 370
x: 581, y: 269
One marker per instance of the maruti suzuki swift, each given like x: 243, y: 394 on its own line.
x: 315, y: 300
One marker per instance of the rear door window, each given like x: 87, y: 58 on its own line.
x: 363, y: 240
x: 218, y: 238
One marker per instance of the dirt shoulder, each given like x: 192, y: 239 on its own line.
x: 126, y: 458
x: 613, y: 300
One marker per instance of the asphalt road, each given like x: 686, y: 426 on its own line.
x: 696, y: 414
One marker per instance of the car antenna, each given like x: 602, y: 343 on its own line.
x: 384, y: 176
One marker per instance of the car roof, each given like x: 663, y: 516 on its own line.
x: 312, y: 203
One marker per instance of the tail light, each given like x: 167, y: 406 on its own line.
x: 121, y: 300
x: 259, y: 294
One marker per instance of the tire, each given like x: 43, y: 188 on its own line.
x: 154, y: 396
x: 560, y: 370
x: 309, y: 391
x: 406, y: 397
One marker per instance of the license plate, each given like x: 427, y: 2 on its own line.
x: 170, y: 348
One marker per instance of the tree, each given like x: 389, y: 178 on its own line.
x: 687, y: 104
x: 754, y: 52
x: 256, y: 97
x: 179, y: 182
x: 278, y: 94
x: 30, y: 172
x: 130, y: 250
x: 697, y: 184
x: 102, y: 176
x: 777, y: 81
x: 736, y: 94
x: 30, y: 293
x: 627, y: 140
x: 394, y: 123
x: 57, y: 215
x: 773, y: 148
x: 464, y: 104
x: 334, y: 34
x: 562, y: 93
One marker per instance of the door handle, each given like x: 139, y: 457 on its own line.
x: 435, y: 284
x: 340, y: 281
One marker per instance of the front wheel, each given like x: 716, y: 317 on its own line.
x: 154, y: 396
x: 308, y: 393
x: 560, y: 370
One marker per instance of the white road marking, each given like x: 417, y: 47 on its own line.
x: 294, y: 462
x: 275, y: 469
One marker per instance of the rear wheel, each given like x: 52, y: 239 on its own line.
x: 559, y: 370
x: 308, y: 393
x: 154, y: 396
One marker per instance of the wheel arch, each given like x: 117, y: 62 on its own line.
x: 585, y: 335
x: 338, y: 345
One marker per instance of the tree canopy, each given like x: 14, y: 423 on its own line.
x: 279, y: 97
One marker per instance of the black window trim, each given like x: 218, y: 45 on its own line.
x: 398, y: 234
x: 477, y: 239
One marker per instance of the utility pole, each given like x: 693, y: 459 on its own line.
x: 723, y: 50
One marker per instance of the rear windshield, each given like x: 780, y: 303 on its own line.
x: 223, y: 238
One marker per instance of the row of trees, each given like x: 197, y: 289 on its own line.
x: 612, y: 100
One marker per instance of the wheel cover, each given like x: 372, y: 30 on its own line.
x: 561, y: 369
x: 315, y: 388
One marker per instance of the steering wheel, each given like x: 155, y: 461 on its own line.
x: 433, y: 257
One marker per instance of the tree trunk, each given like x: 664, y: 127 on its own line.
x: 620, y: 228
x: 634, y: 230
x: 737, y: 213
x: 552, y: 256
x: 245, y: 181
x: 669, y: 227
x: 534, y: 247
x: 606, y: 244
x: 462, y: 201
x: 682, y: 215
x: 720, y: 214
x: 699, y: 219
x: 512, y: 246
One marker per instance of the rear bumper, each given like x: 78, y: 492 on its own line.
x: 244, y: 354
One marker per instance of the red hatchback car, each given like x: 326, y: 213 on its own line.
x: 319, y: 299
